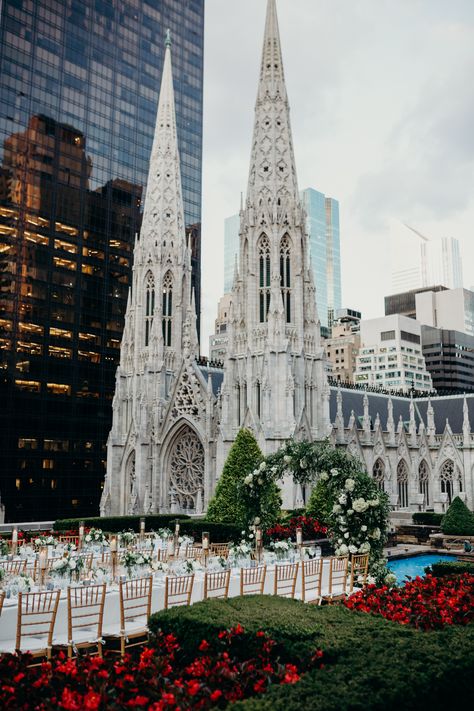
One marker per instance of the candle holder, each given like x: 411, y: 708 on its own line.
x: 176, y: 534
x: 80, y: 542
x: 299, y: 541
x: 258, y: 543
x: 113, y: 551
x: 43, y: 563
x: 206, y: 538
x: 142, y: 529
x: 15, y: 540
x: 170, y: 548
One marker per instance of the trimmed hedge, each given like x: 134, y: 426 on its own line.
x: 219, y: 532
x: 428, y: 518
x: 445, y: 567
x: 458, y: 519
x: 114, y: 524
x: 370, y: 663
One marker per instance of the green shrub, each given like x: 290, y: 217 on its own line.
x: 446, y: 567
x: 114, y: 524
x: 230, y: 503
x: 371, y: 664
x: 320, y: 503
x: 428, y: 518
x: 458, y: 520
x: 219, y: 532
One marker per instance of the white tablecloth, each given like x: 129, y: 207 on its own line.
x: 8, y: 618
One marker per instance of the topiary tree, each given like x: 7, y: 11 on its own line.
x: 234, y: 501
x: 458, y: 520
x: 320, y: 503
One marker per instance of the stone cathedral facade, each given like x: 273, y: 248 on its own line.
x: 175, y: 418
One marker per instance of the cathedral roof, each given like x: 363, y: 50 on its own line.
x: 450, y: 407
x: 217, y: 376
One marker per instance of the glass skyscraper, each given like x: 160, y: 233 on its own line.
x: 323, y: 230
x: 79, y: 84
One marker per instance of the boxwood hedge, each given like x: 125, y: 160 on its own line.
x: 118, y: 523
x: 428, y: 518
x: 456, y: 567
x: 370, y: 663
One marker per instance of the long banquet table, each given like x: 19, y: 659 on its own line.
x: 111, y: 625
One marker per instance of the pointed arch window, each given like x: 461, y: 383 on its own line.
x: 149, y: 305
x: 402, y: 484
x: 424, y: 482
x: 264, y: 278
x: 446, y: 478
x: 378, y: 473
x: 285, y: 275
x: 166, y: 320
x: 258, y: 396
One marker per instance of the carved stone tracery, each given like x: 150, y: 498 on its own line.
x: 186, y: 469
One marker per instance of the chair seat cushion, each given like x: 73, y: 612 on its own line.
x: 27, y: 644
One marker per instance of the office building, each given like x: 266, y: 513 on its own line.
x: 452, y: 309
x: 420, y: 261
x: 79, y: 90
x: 343, y: 345
x: 449, y: 357
x: 322, y: 222
x: 405, y: 303
x: 218, y: 340
x: 390, y: 355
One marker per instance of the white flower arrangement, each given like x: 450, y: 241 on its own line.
x: 187, y: 567
x: 282, y: 548
x: 242, y: 550
x: 45, y: 541
x: 360, y: 505
x: 349, y: 485
x: 185, y: 540
x: 126, y: 538
x: 67, y: 567
x: 21, y: 583
x: 159, y: 566
x: 164, y: 533
x: 95, y: 535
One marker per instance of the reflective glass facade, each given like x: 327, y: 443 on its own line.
x: 79, y: 84
x: 324, y: 240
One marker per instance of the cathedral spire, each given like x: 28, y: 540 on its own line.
x: 163, y: 216
x: 272, y: 175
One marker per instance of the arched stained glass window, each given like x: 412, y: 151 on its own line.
x: 149, y: 305
x: 167, y: 307
x: 285, y: 276
x: 264, y: 271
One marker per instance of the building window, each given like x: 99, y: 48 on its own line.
x: 402, y: 484
x: 149, y: 305
x: 285, y: 276
x: 264, y: 278
x: 446, y: 478
x: 378, y: 473
x: 167, y: 308
x: 259, y: 399
x: 424, y: 483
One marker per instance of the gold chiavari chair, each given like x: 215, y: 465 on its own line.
x: 285, y: 579
x: 220, y: 549
x: 135, y: 609
x: 35, y: 623
x: 178, y: 590
x: 252, y: 580
x: 106, y: 560
x: 161, y: 555
x: 216, y: 585
x: 85, y: 615
x: 13, y: 567
x: 338, y: 567
x: 87, y: 558
x: 31, y: 568
x: 359, y: 569
x: 74, y: 540
x: 311, y: 580
x: 194, y: 552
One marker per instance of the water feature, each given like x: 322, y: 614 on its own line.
x: 416, y: 564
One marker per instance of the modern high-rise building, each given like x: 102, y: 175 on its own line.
x: 79, y: 83
x: 419, y: 261
x: 324, y: 240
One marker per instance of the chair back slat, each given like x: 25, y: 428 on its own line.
x: 312, y: 576
x: 216, y: 585
x: 178, y: 590
x: 194, y: 552
x: 252, y: 580
x: 220, y: 549
x: 36, y: 618
x: 359, y: 569
x: 69, y: 539
x: 13, y: 567
x: 85, y: 611
x: 338, y: 567
x: 286, y: 575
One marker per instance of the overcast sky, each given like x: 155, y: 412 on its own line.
x: 382, y: 108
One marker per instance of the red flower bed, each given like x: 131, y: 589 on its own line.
x: 426, y: 603
x: 311, y: 529
x: 156, y: 680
